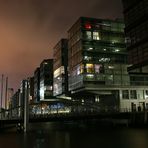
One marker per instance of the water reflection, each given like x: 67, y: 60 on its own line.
x: 46, y: 135
x: 53, y: 136
x: 138, y: 138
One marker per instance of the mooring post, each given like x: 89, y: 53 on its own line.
x: 26, y: 107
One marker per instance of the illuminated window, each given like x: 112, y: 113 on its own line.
x: 117, y: 50
x: 104, y: 59
x: 90, y: 48
x: 96, y: 35
x: 42, y: 89
x: 80, y: 69
x: 88, y: 35
x: 87, y: 58
x: 133, y: 94
x: 45, y: 63
x: 140, y: 94
x: 89, y: 76
x: 90, y: 68
x: 98, y: 68
x: 59, y: 71
x: 146, y: 94
x: 125, y: 94
x: 111, y: 67
x: 48, y: 88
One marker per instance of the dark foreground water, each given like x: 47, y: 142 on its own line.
x: 51, y: 135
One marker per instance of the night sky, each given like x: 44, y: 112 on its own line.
x: 29, y: 29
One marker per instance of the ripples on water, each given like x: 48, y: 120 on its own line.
x: 49, y: 135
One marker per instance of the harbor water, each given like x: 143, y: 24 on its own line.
x: 74, y: 135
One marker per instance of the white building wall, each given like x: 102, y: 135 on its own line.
x: 141, y: 100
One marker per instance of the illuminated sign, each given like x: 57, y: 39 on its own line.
x: 88, y: 26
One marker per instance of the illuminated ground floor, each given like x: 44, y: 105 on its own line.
x: 113, y: 98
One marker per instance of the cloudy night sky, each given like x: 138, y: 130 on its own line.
x: 29, y: 29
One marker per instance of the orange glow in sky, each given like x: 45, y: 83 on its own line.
x: 29, y: 29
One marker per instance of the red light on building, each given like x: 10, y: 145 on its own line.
x: 87, y: 26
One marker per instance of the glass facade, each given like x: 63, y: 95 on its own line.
x: 46, y: 79
x: 136, y: 29
x: 60, y: 64
x: 97, y: 53
x: 37, y: 85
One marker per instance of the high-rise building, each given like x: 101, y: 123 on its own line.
x: 46, y: 79
x: 136, y: 30
x: 60, y: 53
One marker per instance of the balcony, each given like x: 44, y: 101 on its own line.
x: 98, y: 79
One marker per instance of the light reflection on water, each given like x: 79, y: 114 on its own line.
x: 59, y: 136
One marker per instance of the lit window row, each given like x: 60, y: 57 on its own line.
x: 109, y: 26
x: 92, y: 35
x: 135, y: 94
x: 90, y: 68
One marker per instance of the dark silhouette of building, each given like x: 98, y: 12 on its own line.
x: 15, y: 104
x: 136, y: 30
x: 60, y: 53
x: 37, y: 85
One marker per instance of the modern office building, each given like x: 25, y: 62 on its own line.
x: 23, y: 89
x: 14, y: 109
x: 60, y: 64
x: 37, y: 85
x: 136, y: 30
x: 98, y: 64
x: 23, y: 94
x: 31, y: 89
x: 97, y: 53
x: 46, y: 79
x: 10, y: 93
